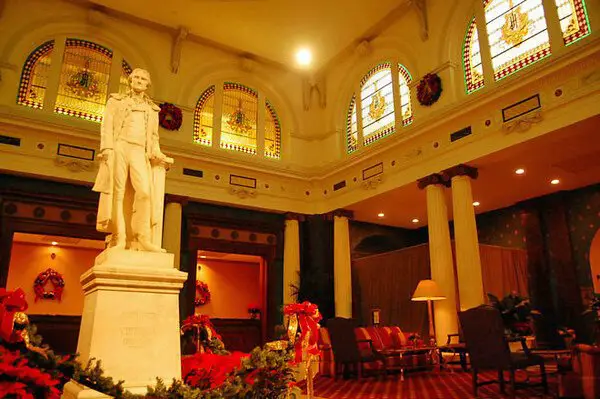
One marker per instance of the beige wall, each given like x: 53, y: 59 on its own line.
x: 28, y: 260
x: 233, y: 286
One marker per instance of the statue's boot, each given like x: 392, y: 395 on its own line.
x: 147, y: 245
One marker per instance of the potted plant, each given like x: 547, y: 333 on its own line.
x: 254, y: 311
x: 517, y: 313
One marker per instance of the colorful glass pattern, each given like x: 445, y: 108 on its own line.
x: 84, y: 76
x: 34, y: 77
x: 239, y: 118
x: 517, y: 34
x: 204, y: 117
x: 124, y: 78
x: 573, y: 18
x: 377, y: 99
x: 272, y: 132
x: 472, y: 59
x: 352, y: 127
x: 405, y: 105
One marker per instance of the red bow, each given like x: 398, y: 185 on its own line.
x: 308, y: 318
x: 10, y: 303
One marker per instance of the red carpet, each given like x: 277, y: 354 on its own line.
x: 420, y: 385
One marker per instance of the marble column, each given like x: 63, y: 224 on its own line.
x: 291, y: 258
x: 440, y: 254
x: 172, y: 226
x: 468, y: 262
x: 342, y: 269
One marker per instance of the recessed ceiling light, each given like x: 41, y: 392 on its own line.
x: 520, y: 171
x: 54, y: 243
x: 380, y: 214
x: 304, y: 57
x: 476, y: 203
x: 554, y: 181
x: 415, y: 220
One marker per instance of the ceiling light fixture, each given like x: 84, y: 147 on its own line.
x: 554, y: 181
x: 476, y: 203
x: 54, y: 243
x: 520, y: 171
x: 304, y: 57
x: 380, y: 214
x: 415, y: 220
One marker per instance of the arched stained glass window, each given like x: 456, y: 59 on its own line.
x: 472, y: 59
x: 377, y: 99
x: 573, y: 18
x: 239, y: 118
x: 352, y: 127
x: 34, y: 77
x: 124, y: 78
x: 203, y: 117
x: 405, y: 79
x: 517, y: 34
x: 272, y: 132
x: 84, y: 76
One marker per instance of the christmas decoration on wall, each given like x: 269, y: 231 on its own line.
x: 202, y: 293
x: 170, y: 116
x: 429, y: 89
x: 49, y: 277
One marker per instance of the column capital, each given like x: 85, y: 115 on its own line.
x: 461, y: 170
x: 435, y: 178
x: 180, y: 199
x: 295, y: 216
x: 339, y: 213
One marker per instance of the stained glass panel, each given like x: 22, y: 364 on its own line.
x: 34, y: 77
x: 239, y: 117
x: 84, y: 75
x: 573, y: 18
x: 472, y: 59
x: 405, y: 79
x: 517, y: 34
x: 377, y: 103
x: 124, y: 78
x: 203, y: 117
x: 352, y: 127
x: 272, y: 132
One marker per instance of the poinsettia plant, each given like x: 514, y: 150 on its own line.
x: 517, y: 313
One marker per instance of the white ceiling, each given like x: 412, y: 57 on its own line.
x: 571, y: 154
x: 271, y: 29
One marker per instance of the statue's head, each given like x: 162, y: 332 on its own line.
x: 139, y: 80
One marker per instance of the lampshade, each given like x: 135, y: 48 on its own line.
x: 427, y: 290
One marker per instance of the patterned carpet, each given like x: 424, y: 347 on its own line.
x: 421, y: 385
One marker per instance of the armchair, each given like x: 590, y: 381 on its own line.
x: 488, y: 349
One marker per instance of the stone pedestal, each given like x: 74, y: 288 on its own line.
x: 130, y: 319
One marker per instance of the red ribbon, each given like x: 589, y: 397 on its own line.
x: 308, y: 319
x: 10, y: 303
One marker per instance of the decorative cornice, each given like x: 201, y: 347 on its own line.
x: 373, y: 182
x: 461, y: 170
x: 523, y: 123
x: 74, y: 165
x: 243, y: 193
x: 435, y: 178
x: 295, y: 216
x: 342, y: 213
x: 179, y: 199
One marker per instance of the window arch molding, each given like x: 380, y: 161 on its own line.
x: 287, y: 119
x: 20, y: 47
x: 352, y: 87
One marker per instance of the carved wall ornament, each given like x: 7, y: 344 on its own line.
x: 180, y: 37
x: 363, y: 48
x: 372, y: 183
x: 591, y: 77
x: 247, y: 64
x: 420, y: 7
x: 314, y: 87
x: 523, y: 123
x: 74, y: 165
x: 242, y: 193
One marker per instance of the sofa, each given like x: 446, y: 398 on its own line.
x: 381, y: 339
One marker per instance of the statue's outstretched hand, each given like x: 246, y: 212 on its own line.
x: 105, y: 155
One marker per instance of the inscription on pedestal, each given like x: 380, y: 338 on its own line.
x: 140, y: 329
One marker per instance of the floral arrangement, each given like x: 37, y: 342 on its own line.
x: 170, y: 116
x: 202, y: 293
x: 517, y: 313
x: 429, y: 89
x: 254, y: 311
x: 49, y: 276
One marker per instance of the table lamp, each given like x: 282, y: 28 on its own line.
x: 428, y: 290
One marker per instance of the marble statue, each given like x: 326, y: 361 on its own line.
x: 132, y: 169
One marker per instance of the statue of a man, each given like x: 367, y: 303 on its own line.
x: 129, y: 156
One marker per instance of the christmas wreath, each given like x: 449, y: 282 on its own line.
x: 202, y: 293
x: 170, y: 116
x: 429, y: 89
x: 57, y: 281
